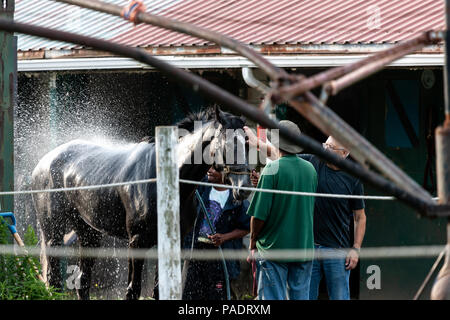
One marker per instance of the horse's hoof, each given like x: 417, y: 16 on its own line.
x: 132, y: 296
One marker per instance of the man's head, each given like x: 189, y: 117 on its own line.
x: 214, y: 176
x: 334, y: 146
x: 285, y: 146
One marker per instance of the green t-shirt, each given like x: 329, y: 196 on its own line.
x: 288, y: 218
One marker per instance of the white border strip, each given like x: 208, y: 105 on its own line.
x: 218, y: 62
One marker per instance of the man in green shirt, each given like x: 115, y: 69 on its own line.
x: 281, y: 221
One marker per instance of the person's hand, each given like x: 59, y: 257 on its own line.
x: 351, y: 260
x: 254, y: 177
x: 251, y: 256
x: 252, y: 138
x: 217, y: 239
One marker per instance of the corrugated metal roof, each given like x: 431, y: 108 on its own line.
x: 255, y: 22
x: 65, y: 17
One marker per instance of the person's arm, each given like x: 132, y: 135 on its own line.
x: 259, y: 208
x: 359, y: 217
x: 220, y: 238
x: 266, y: 148
x: 269, y: 149
x: 256, y: 226
x: 360, y: 227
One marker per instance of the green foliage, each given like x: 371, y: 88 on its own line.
x: 30, y: 238
x: 18, y: 277
x: 4, y: 232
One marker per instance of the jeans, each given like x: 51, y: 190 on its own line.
x: 279, y: 281
x: 336, y: 276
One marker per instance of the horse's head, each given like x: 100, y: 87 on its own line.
x: 216, y: 138
x: 230, y: 152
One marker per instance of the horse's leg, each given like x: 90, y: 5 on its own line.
x: 43, y: 256
x: 88, y: 238
x: 51, y: 237
x: 135, y: 267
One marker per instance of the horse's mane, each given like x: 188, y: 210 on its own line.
x: 228, y: 120
x: 204, y: 115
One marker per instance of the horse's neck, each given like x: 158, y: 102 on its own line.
x: 190, y: 152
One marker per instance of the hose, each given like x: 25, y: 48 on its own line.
x: 225, y: 269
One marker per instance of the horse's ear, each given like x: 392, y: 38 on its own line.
x: 217, y: 112
x: 220, y: 116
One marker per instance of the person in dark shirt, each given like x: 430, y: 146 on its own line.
x: 332, y: 220
x: 205, y: 279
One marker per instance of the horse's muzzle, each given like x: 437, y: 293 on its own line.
x: 240, y: 181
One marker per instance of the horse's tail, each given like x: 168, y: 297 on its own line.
x: 25, y: 207
x: 43, y: 258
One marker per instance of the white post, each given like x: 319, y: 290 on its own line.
x: 169, y: 244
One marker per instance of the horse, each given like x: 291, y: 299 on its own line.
x: 128, y: 212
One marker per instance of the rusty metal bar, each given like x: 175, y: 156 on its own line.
x: 239, y: 106
x: 442, y: 136
x: 322, y: 120
x: 370, y: 65
x: 272, y: 71
x: 362, y: 150
x: 441, y: 287
x: 366, y: 70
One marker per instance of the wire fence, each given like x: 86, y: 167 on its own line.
x: 286, y: 254
x: 400, y: 252
x: 153, y: 180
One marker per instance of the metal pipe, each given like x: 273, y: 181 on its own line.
x: 441, y: 287
x: 187, y: 28
x: 252, y: 82
x: 53, y: 109
x: 383, y: 57
x: 335, y: 86
x: 362, y: 150
x: 237, y: 105
x: 277, y: 73
x: 446, y: 62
